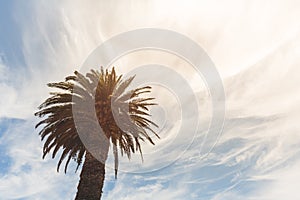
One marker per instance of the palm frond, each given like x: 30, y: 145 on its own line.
x: 122, y: 114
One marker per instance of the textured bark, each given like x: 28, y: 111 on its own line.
x: 91, y: 179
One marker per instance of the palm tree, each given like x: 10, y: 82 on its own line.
x: 113, y: 105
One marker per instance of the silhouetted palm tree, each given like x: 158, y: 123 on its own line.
x: 107, y: 95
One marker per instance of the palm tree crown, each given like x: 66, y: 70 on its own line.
x: 122, y: 114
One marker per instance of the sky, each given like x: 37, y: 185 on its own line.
x: 254, y: 45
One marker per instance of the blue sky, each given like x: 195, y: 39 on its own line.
x: 10, y: 36
x: 255, y: 47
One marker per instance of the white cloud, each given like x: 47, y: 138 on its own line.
x: 256, y: 49
x: 28, y: 176
x: 285, y: 184
x: 149, y: 191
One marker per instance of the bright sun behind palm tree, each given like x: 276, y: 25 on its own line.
x: 122, y: 115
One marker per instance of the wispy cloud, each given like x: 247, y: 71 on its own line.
x: 255, y: 47
x: 28, y: 176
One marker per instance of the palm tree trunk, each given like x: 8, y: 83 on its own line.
x: 91, y: 179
